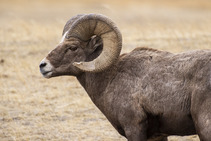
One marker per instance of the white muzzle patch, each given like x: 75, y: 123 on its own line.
x: 46, y: 68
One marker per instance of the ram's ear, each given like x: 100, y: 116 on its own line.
x: 94, y: 43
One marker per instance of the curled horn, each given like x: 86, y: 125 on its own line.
x: 94, y: 24
x: 70, y: 22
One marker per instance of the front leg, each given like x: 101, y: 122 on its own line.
x: 133, y: 119
x: 136, y: 132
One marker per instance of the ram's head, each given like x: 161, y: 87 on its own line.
x: 90, y: 43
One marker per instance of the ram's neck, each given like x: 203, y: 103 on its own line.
x: 95, y: 85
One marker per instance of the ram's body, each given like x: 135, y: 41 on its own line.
x: 145, y: 93
x: 165, y: 89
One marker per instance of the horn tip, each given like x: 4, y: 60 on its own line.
x: 84, y: 66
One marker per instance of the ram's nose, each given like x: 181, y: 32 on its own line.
x: 42, y: 65
x: 46, y: 68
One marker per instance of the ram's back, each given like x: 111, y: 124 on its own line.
x: 162, y: 78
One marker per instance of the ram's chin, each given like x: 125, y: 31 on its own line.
x: 47, y: 74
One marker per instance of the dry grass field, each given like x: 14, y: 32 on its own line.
x: 34, y: 108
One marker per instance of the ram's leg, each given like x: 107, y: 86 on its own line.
x: 201, y: 114
x: 136, y: 132
x: 203, y: 123
x: 203, y: 126
x: 133, y: 119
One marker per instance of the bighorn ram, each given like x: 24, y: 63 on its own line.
x: 146, y: 93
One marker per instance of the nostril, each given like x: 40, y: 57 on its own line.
x: 43, y: 64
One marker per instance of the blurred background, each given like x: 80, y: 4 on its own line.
x: 34, y: 108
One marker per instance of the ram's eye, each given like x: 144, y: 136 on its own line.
x: 73, y: 48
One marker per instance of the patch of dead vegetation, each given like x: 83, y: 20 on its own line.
x: 34, y: 108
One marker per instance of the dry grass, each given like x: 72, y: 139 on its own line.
x: 34, y: 108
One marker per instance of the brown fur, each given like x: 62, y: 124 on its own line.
x: 147, y: 93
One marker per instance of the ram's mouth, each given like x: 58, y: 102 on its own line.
x: 46, y: 74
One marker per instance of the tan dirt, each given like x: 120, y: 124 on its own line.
x: 34, y: 108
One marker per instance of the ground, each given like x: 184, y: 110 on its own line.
x: 34, y: 108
